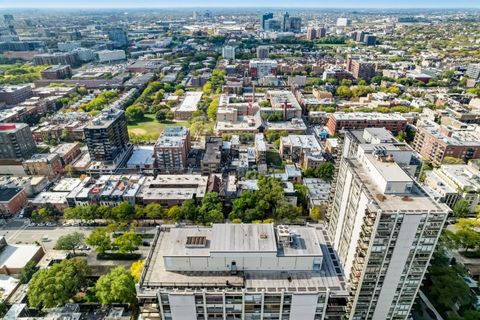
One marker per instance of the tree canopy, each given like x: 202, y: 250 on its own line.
x: 118, y: 286
x: 56, y: 285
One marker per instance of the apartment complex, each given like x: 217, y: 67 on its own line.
x: 384, y: 227
x: 242, y: 271
x: 44, y: 164
x: 57, y: 72
x: 435, y: 142
x: 12, y: 95
x: 107, y: 135
x: 171, y: 149
x: 452, y: 182
x: 302, y: 149
x: 16, y: 141
x: 261, y: 68
x: 360, y: 120
x: 361, y: 70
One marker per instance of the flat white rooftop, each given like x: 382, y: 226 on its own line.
x: 189, y: 104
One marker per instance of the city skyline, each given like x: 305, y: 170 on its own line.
x: 216, y: 3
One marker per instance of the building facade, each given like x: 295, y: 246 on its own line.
x: 16, y: 141
x: 242, y: 271
x: 107, y: 135
x: 171, y: 149
x: 384, y: 228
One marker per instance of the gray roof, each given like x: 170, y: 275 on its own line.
x: 243, y: 238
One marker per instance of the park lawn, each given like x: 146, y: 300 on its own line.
x: 150, y: 125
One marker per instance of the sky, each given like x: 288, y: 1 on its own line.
x: 243, y: 3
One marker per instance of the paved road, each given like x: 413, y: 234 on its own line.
x: 19, y: 231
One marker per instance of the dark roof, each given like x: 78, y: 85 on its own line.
x: 7, y: 194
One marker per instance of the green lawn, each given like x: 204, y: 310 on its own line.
x: 151, y: 126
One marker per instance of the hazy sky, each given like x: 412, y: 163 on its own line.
x: 244, y: 3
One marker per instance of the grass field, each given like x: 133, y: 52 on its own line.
x: 151, y: 126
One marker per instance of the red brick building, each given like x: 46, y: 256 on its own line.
x: 360, y: 120
x: 12, y: 200
x: 435, y: 142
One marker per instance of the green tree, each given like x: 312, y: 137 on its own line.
x: 212, y: 109
x: 134, y: 113
x: 188, y: 210
x: 154, y: 211
x: 128, y: 242
x: 136, y: 269
x: 161, y: 115
x: 27, y: 272
x: 174, y: 213
x: 210, y: 202
x: 344, y: 92
x: 70, y: 241
x: 118, y: 286
x: 302, y: 193
x: 100, y: 239
x: 44, y: 214
x: 468, y: 238
x: 124, y: 211
x: 56, y: 285
x: 448, y: 288
x: 323, y: 171
x: 316, y: 214
x: 461, y: 208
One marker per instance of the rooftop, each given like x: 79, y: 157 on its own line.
x: 413, y: 202
x: 359, y: 116
x: 6, y: 194
x: 244, y: 239
x: 189, y: 104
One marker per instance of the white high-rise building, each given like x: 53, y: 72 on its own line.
x: 383, y: 226
x: 228, y: 52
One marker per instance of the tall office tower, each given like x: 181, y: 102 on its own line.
x: 262, y: 52
x: 172, y: 148
x: 118, y: 36
x: 273, y: 25
x: 16, y: 141
x: 293, y: 24
x: 228, y: 52
x: 370, y: 40
x: 311, y: 33
x: 9, y: 23
x: 107, y: 135
x: 285, y: 22
x: 322, y: 32
x: 264, y: 18
x: 384, y: 229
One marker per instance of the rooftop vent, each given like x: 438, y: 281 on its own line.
x: 196, y: 242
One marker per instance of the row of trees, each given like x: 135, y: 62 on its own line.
x: 209, y: 210
x: 59, y: 284
x: 100, y: 101
x: 102, y: 239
